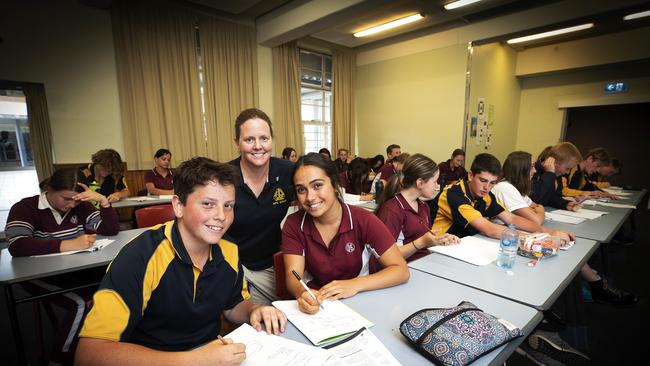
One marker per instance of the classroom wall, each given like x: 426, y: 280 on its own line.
x: 416, y: 101
x: 540, y: 115
x: 68, y: 47
x: 493, y: 78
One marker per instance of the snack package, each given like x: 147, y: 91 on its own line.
x: 538, y: 245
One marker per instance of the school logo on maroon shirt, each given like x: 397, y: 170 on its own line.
x: 349, y: 247
x: 73, y: 219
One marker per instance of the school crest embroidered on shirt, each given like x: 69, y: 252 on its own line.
x: 349, y: 247
x: 73, y: 219
x: 279, y: 197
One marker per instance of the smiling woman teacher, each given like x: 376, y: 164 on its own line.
x: 262, y: 199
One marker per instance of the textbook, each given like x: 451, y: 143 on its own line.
x: 334, y: 322
x: 476, y: 250
x: 99, y: 244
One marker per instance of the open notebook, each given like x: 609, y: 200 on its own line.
x: 99, y: 244
x: 582, y: 213
x: 334, y: 322
x: 475, y: 250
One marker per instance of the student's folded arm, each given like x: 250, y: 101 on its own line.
x: 521, y: 222
x: 100, y: 352
x: 531, y: 214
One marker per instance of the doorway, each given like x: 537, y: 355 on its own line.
x: 622, y: 129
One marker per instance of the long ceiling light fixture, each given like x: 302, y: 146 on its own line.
x: 551, y: 33
x: 389, y: 25
x: 642, y: 14
x: 459, y: 3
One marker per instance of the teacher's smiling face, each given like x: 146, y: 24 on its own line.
x: 255, y: 142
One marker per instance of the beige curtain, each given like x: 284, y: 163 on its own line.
x: 286, y: 98
x: 158, y: 81
x: 40, y: 132
x: 229, y: 55
x: 343, y: 75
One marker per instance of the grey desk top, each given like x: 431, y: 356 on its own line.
x: 537, y: 286
x: 633, y: 199
x: 140, y: 201
x: 601, y: 229
x: 387, y: 308
x: 14, y: 270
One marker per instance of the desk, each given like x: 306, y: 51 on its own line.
x: 140, y: 201
x: 16, y: 270
x: 537, y: 286
x: 387, y: 308
x: 634, y: 199
x: 601, y: 229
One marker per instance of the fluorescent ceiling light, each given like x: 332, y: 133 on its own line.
x: 637, y: 15
x: 389, y: 25
x: 551, y: 33
x: 459, y: 3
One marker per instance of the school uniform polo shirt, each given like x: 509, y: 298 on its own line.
x: 576, y: 183
x: 404, y: 223
x: 344, y: 182
x: 109, y: 184
x: 256, y: 228
x: 546, y: 188
x: 152, y: 294
x: 160, y: 182
x: 360, y: 236
x: 448, y: 175
x: 456, y: 207
x: 387, y: 171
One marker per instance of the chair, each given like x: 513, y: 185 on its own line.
x: 154, y: 215
x: 280, y: 281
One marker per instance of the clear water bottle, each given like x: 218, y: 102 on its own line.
x: 508, y: 247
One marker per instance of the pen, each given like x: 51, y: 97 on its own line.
x: 222, y: 340
x: 304, y: 285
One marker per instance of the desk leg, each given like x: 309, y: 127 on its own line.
x: 15, y: 327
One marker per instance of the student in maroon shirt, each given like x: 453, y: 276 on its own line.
x: 354, y: 177
x: 160, y: 179
x: 452, y: 170
x: 334, y: 241
x: 408, y: 218
x: 393, y: 166
x: 61, y: 219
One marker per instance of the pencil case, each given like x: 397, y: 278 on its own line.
x: 458, y: 335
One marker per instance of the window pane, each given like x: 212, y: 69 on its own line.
x: 311, y: 60
x: 328, y: 81
x: 311, y: 78
x: 327, y: 108
x: 328, y: 64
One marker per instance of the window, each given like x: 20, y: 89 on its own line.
x: 316, y: 100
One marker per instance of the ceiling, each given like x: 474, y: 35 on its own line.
x: 279, y: 21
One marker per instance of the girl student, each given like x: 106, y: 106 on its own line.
x: 393, y: 166
x: 354, y: 177
x: 160, y: 180
x: 400, y: 207
x: 334, y: 241
x: 59, y: 220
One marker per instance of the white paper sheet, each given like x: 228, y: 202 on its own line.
x: 554, y: 216
x: 99, y: 244
x: 583, y: 213
x: 607, y: 204
x: 334, y: 322
x: 362, y: 349
x: 472, y: 249
x: 142, y: 198
x: 269, y: 350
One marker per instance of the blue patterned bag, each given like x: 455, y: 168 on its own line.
x: 456, y: 336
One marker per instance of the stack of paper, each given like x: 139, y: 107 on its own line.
x: 99, y: 244
x: 266, y: 349
x: 334, y: 322
x: 554, y: 216
x: 607, y: 204
x: 582, y: 213
x: 476, y: 250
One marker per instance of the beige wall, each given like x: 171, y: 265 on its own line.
x: 68, y: 47
x: 493, y: 78
x: 416, y: 101
x: 541, y: 119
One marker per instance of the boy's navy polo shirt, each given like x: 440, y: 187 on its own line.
x: 256, y: 228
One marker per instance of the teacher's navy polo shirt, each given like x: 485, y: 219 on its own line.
x: 256, y: 228
x: 348, y: 256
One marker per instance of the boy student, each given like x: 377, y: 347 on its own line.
x: 599, y: 178
x: 342, y: 161
x: 464, y: 208
x: 106, y: 175
x: 546, y: 190
x: 393, y: 151
x: 577, y: 182
x: 161, y: 299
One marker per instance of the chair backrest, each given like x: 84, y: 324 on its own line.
x: 280, y: 281
x: 154, y: 215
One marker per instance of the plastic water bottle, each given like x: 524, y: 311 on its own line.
x: 508, y: 247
